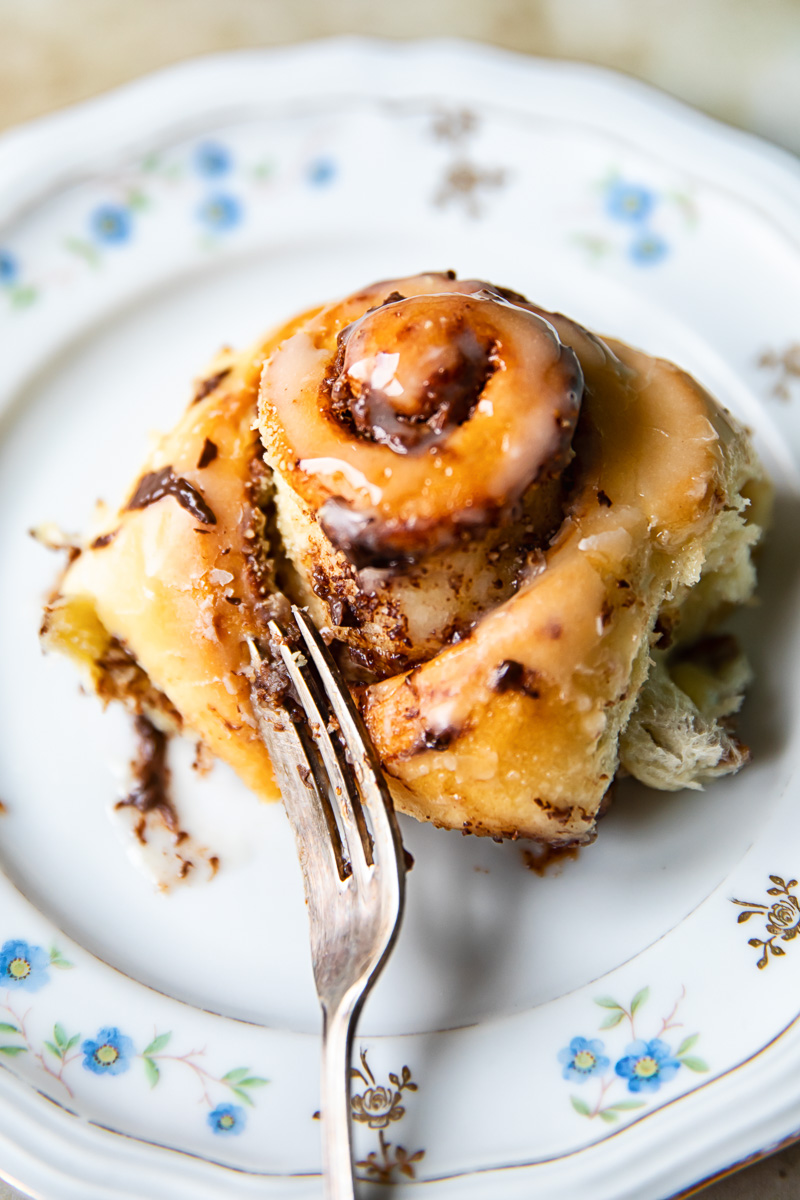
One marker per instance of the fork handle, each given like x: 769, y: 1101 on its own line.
x: 337, y: 1144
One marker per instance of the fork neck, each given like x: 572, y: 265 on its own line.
x: 337, y: 1145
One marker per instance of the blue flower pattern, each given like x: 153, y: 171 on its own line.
x: 111, y: 224
x: 321, y: 172
x: 110, y: 1053
x: 212, y: 159
x: 648, y: 249
x: 630, y: 203
x: 9, y: 268
x: 582, y: 1059
x: 227, y: 1119
x: 647, y: 1065
x: 23, y: 966
x: 220, y: 212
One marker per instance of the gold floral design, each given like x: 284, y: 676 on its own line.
x: 451, y: 125
x: 377, y: 1107
x: 782, y: 918
x: 785, y: 365
x: 463, y: 179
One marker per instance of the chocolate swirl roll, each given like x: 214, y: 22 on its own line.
x: 504, y: 519
x: 516, y: 536
x: 422, y: 420
x: 419, y: 433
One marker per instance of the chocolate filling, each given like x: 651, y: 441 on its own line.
x: 445, y: 374
x: 207, y: 386
x: 150, y: 791
x: 512, y: 676
x: 362, y: 537
x: 273, y: 684
x: 341, y: 612
x: 207, y: 454
x: 357, y: 535
x: 440, y: 739
x: 103, y: 540
x: 121, y: 678
x: 155, y: 485
x: 541, y: 855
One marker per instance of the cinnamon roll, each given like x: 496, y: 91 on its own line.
x: 517, y: 536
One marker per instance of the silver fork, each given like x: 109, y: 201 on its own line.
x: 351, y: 855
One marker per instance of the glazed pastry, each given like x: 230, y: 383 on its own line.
x: 512, y: 531
x: 156, y: 607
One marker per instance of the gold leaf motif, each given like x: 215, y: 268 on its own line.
x: 781, y: 917
x: 377, y: 1107
x: 785, y: 367
x: 464, y: 181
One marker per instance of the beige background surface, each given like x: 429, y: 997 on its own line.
x: 737, y: 59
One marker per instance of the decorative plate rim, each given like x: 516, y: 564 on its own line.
x: 137, y: 105
x: 116, y: 123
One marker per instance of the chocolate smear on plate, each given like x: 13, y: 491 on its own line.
x: 151, y: 776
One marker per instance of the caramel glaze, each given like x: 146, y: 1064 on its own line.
x: 499, y: 599
x: 419, y: 433
x: 438, y: 379
x: 181, y: 592
x: 402, y: 391
x: 545, y: 681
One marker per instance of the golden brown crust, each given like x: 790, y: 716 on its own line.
x: 651, y: 443
x: 496, y: 670
x: 182, y: 593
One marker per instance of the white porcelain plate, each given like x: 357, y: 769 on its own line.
x: 167, y: 1045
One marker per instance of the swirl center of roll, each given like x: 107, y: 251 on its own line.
x: 411, y: 370
x: 413, y: 417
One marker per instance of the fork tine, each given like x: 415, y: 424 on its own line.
x: 356, y: 739
x: 359, y: 842
x: 354, y: 922
x: 313, y: 823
